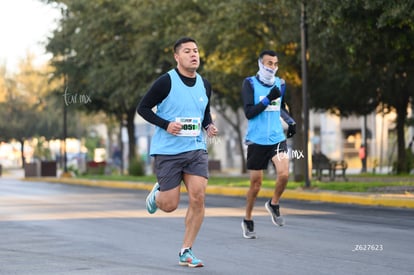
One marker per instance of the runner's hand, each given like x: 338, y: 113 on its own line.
x: 274, y: 93
x: 174, y: 128
x: 212, y: 130
x: 291, y: 130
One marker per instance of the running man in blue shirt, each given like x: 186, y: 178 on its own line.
x: 263, y: 106
x: 178, y: 145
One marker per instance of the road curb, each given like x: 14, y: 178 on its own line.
x: 386, y: 200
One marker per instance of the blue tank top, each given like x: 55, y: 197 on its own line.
x: 187, y: 105
x: 265, y: 128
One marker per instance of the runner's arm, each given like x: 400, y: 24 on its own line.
x: 207, y: 115
x: 155, y: 95
x: 250, y: 109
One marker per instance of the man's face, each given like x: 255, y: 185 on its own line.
x: 187, y: 57
x: 271, y: 62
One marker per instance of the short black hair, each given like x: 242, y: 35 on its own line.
x: 267, y: 52
x: 183, y: 40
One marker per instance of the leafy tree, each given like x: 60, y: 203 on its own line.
x: 109, y: 49
x: 363, y: 48
x: 28, y: 105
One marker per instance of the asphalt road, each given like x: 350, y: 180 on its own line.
x: 49, y: 228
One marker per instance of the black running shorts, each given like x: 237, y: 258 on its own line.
x: 258, y: 156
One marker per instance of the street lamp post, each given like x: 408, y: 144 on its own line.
x: 65, y: 173
x: 65, y: 133
x: 305, y: 107
x: 65, y: 126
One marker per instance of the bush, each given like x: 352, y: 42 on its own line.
x: 136, y: 167
x: 408, y: 166
x: 95, y: 168
x: 74, y: 170
x: 410, y: 161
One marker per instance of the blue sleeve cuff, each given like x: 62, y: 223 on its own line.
x: 265, y: 101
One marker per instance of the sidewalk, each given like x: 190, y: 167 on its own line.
x: 12, y: 174
x: 369, y: 199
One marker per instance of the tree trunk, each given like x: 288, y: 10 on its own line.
x: 22, y: 152
x: 296, y: 110
x: 402, y: 105
x: 131, y: 134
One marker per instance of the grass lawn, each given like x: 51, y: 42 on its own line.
x: 354, y: 184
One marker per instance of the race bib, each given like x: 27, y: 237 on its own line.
x: 191, y: 126
x: 273, y: 106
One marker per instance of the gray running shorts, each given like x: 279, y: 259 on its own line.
x: 171, y: 168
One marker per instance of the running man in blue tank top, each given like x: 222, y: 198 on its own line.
x: 182, y: 98
x: 264, y: 107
